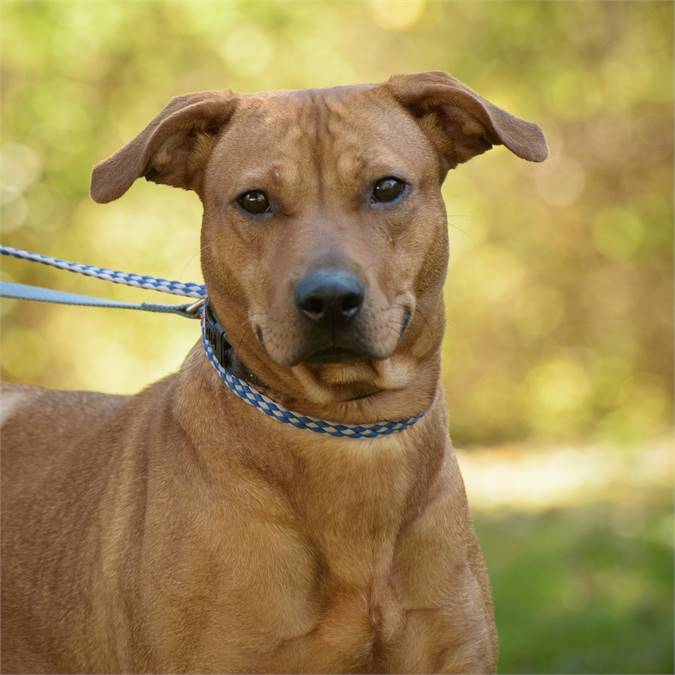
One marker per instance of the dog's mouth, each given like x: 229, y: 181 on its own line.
x: 332, y: 355
x: 356, y: 362
x: 353, y: 343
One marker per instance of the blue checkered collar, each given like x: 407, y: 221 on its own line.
x: 219, y: 352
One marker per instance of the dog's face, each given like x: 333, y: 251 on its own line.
x: 322, y: 210
x: 324, y: 240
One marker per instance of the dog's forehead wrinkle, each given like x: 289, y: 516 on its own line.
x: 275, y: 145
x: 278, y: 174
x: 269, y: 121
x: 362, y: 140
x: 348, y: 139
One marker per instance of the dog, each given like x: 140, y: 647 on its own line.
x: 181, y: 530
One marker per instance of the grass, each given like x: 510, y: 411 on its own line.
x: 584, y: 586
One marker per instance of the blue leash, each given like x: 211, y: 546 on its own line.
x: 9, y: 289
x: 192, y: 310
x: 186, y: 288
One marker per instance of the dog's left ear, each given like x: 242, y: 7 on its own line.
x: 461, y: 123
x: 173, y: 149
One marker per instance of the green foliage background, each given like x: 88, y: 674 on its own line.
x: 559, y: 291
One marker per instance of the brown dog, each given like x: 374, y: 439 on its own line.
x: 180, y: 529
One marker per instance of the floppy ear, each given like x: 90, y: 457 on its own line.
x: 172, y: 149
x: 461, y: 123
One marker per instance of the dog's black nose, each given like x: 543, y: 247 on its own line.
x: 331, y: 295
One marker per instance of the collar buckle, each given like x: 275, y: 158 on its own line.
x: 216, y: 335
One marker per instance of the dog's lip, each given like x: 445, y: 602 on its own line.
x: 333, y: 355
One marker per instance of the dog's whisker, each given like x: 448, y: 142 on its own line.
x: 459, y: 229
x: 193, y: 256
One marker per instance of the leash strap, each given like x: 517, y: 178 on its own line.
x: 185, y: 288
x: 9, y: 289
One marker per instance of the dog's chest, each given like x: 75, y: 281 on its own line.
x: 341, y: 583
x: 396, y: 620
x: 360, y: 584
x: 295, y: 613
x: 349, y: 627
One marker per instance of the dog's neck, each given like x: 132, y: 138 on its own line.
x: 390, y: 391
x: 390, y: 478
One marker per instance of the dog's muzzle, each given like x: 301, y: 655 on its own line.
x: 329, y: 300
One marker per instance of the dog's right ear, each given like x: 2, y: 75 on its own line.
x: 173, y: 149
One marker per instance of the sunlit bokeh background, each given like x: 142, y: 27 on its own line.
x: 558, y: 358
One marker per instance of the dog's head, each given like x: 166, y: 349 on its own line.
x: 324, y: 240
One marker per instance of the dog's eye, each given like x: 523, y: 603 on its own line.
x: 387, y: 189
x: 254, y: 201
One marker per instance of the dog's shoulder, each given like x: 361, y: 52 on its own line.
x: 39, y: 426
x: 13, y: 397
x: 20, y: 400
